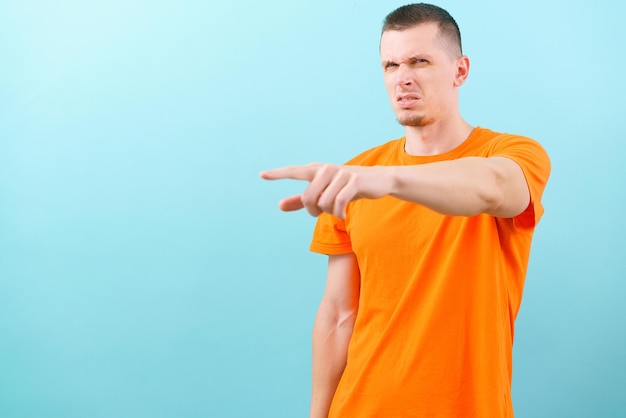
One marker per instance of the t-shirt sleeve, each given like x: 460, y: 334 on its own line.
x: 535, y: 164
x: 330, y: 236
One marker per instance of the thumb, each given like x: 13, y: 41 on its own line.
x: 291, y: 203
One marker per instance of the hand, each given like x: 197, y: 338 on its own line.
x: 331, y: 187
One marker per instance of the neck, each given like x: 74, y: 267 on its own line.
x: 436, y: 138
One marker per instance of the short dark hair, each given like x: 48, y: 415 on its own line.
x: 411, y: 15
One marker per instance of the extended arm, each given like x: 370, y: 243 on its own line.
x: 332, y: 330
x: 465, y: 187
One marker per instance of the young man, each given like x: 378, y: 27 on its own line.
x: 428, y: 238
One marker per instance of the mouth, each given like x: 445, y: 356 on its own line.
x: 407, y: 100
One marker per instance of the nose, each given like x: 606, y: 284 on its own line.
x: 404, y: 77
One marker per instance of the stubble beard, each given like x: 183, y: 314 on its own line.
x: 413, y: 120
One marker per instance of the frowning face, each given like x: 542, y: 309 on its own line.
x: 421, y: 74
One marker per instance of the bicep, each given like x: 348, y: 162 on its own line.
x: 341, y: 295
x: 514, y: 191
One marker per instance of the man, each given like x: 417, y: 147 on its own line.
x: 428, y: 238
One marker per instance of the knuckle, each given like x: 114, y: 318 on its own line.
x: 325, y: 204
x: 341, y: 202
x: 323, y: 201
x: 313, y: 211
x: 307, y: 200
x: 323, y: 169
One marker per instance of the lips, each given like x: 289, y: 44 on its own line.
x: 407, y: 100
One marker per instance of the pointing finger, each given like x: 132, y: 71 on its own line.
x: 296, y: 172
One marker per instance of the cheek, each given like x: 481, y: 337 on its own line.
x: 442, y: 84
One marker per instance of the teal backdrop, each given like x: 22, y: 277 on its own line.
x: 145, y: 270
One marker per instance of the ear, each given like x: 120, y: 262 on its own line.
x: 462, y: 70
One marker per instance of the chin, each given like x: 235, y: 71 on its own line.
x: 413, y: 120
x: 412, y: 117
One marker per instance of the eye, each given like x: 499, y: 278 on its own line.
x: 390, y: 65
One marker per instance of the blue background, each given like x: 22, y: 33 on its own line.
x: 145, y: 270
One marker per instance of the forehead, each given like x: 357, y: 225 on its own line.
x: 417, y: 40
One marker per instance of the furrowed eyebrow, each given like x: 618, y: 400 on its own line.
x: 416, y: 58
x: 410, y: 60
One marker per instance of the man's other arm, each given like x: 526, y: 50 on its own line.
x: 332, y: 330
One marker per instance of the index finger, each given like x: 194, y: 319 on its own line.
x: 295, y: 172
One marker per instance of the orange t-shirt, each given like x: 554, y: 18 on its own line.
x: 439, y: 294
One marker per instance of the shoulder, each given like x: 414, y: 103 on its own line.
x: 498, y: 143
x: 378, y: 155
x: 528, y: 153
